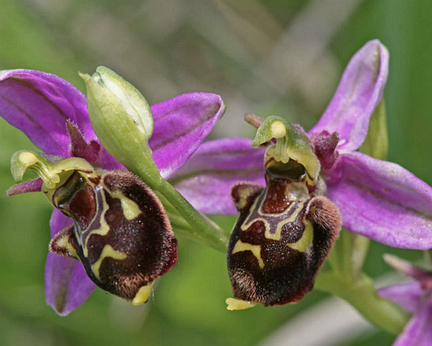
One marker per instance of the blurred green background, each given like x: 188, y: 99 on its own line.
x: 268, y: 57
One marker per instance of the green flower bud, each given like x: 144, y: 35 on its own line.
x: 122, y: 120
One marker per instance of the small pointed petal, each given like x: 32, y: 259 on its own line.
x: 207, y: 178
x: 418, y: 331
x: 39, y: 104
x: 67, y: 285
x: 382, y: 201
x: 29, y: 186
x: 408, y: 295
x: 181, y: 124
x: 407, y: 268
x: 253, y: 120
x: 79, y: 146
x: 358, y: 94
x: 92, y: 151
x: 325, y: 145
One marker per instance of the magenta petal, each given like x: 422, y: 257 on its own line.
x: 39, y: 104
x: 29, y: 186
x: 358, y: 94
x: 67, y: 285
x: 418, y: 331
x: 92, y: 151
x: 181, y: 124
x: 408, y: 269
x: 408, y: 295
x: 207, y: 178
x: 382, y: 201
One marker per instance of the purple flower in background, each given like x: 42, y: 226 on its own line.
x: 53, y: 114
x: 415, y: 297
x: 377, y: 199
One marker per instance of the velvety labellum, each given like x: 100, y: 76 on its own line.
x: 281, y: 239
x: 121, y: 233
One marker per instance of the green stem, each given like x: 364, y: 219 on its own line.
x: 181, y: 226
x: 201, y: 228
x: 347, y: 281
x: 362, y: 296
x: 207, y: 230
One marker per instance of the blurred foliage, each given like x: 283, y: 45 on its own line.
x: 280, y: 57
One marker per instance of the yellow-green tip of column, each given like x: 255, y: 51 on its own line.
x: 238, y: 304
x: 143, y: 294
x: 278, y: 129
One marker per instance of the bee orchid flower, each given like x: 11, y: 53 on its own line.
x: 82, y: 180
x: 377, y: 199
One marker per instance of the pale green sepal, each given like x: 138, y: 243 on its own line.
x: 376, y: 142
x: 292, y: 143
x: 122, y: 120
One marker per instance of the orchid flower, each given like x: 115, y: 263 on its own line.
x: 377, y: 199
x: 415, y: 297
x: 54, y: 116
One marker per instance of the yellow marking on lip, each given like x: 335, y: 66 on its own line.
x: 130, y: 208
x: 244, y: 193
x: 305, y: 241
x: 255, y: 249
x: 63, y: 242
x: 278, y: 234
x: 248, y: 222
x: 238, y: 304
x: 107, y: 251
x: 143, y: 294
x: 104, y: 227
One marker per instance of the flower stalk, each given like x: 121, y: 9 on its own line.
x: 363, y: 297
x: 198, y: 226
x: 346, y: 278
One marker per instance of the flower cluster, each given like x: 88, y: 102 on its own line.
x: 293, y: 189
